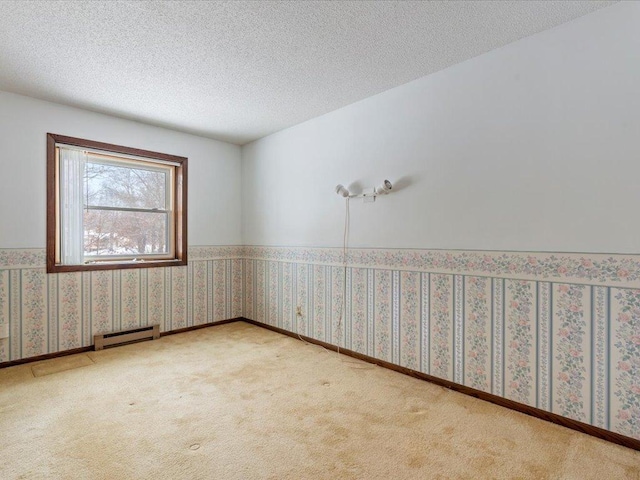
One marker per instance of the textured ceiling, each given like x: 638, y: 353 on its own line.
x: 238, y: 71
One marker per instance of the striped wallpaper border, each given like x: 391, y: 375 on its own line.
x: 583, y: 268
x: 21, y: 258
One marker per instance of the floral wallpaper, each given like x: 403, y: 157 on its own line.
x: 409, y: 318
x: 359, y: 307
x: 441, y: 326
x: 570, y: 351
x: 478, y: 334
x: 48, y: 313
x: 560, y: 332
x: 382, y: 314
x: 626, y: 341
x: 520, y: 345
x: 4, y: 310
x: 557, y: 331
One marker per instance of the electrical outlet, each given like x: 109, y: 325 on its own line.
x: 4, y: 330
x: 299, y: 311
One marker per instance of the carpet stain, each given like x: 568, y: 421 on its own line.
x: 448, y: 431
x: 238, y: 402
x: 418, y: 411
x: 248, y: 395
x: 632, y: 472
x: 417, y: 461
x: 537, y: 471
x: 62, y: 364
x: 483, y: 463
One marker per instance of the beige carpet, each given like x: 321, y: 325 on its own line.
x: 240, y: 402
x: 49, y: 367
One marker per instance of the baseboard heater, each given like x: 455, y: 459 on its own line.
x: 113, y: 339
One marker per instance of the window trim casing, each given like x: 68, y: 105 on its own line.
x: 180, y: 208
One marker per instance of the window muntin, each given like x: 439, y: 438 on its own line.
x: 110, y: 206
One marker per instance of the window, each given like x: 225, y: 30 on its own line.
x: 112, y: 207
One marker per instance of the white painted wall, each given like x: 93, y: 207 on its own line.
x: 534, y: 146
x: 214, y: 169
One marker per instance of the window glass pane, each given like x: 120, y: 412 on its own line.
x: 109, y: 232
x: 125, y: 186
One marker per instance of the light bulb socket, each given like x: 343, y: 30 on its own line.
x: 342, y: 191
x: 384, y: 188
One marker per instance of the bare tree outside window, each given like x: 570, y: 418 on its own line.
x: 125, y: 210
x: 113, y: 207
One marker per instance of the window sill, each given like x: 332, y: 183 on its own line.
x: 89, y: 267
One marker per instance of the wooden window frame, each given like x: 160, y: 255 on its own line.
x: 179, y: 213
